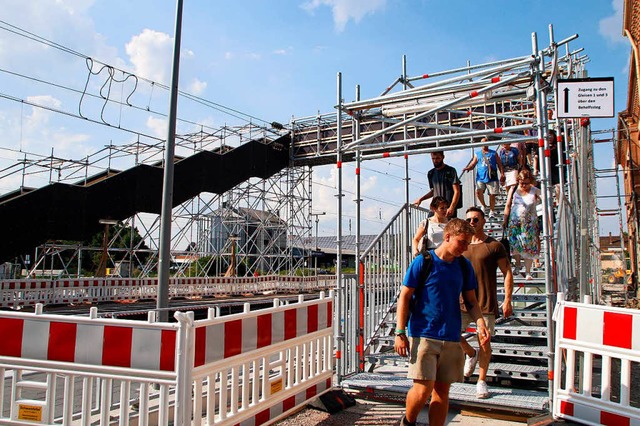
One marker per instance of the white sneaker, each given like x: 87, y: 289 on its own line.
x: 482, y: 391
x: 492, y: 214
x: 470, y: 364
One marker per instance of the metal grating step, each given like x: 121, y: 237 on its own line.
x: 515, y: 350
x: 511, y: 330
x: 519, y: 297
x: 499, y: 370
x: 532, y: 315
x: 461, y: 393
x: 517, y: 371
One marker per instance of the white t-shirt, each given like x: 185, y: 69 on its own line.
x: 434, y: 232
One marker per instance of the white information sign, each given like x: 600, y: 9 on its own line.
x: 585, y: 97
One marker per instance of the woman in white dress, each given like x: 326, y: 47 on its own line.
x: 430, y: 230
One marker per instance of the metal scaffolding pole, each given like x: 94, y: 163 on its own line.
x: 585, y: 289
x: 547, y: 210
x: 340, y: 294
x: 359, y: 267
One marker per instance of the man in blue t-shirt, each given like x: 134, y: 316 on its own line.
x: 436, y: 358
x: 488, y: 163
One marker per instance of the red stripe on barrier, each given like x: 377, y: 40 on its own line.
x: 616, y: 330
x: 117, y: 346
x: 290, y: 324
x: 328, y: 383
x: 168, y: 350
x: 232, y: 338
x: 62, y: 341
x: 262, y: 417
x: 288, y: 403
x: 566, y: 408
x: 311, y: 392
x: 611, y: 419
x: 264, y: 330
x: 329, y: 314
x: 11, y: 332
x: 570, y: 322
x: 312, y: 318
x: 200, y: 346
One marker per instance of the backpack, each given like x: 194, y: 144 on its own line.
x: 426, y: 270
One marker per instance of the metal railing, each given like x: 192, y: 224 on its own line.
x: 382, y: 268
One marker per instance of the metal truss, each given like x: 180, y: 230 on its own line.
x: 271, y: 217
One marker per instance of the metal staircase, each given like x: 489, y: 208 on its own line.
x: 518, y: 372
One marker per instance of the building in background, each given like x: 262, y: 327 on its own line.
x: 627, y: 148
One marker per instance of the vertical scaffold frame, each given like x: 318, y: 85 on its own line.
x: 423, y: 119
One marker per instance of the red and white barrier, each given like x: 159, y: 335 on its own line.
x: 244, y: 369
x: 128, y: 344
x: 596, y: 345
x: 19, y: 293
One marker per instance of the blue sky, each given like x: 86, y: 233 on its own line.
x: 272, y: 60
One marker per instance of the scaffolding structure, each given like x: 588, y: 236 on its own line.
x: 509, y: 101
x: 268, y: 217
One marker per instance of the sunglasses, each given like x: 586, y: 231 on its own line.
x: 473, y: 219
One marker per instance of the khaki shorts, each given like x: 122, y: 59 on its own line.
x: 435, y: 360
x: 489, y: 320
x: 494, y: 187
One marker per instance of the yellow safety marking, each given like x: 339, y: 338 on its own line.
x: 30, y: 412
x: 276, y: 386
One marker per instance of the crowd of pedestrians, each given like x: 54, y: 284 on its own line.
x: 455, y: 261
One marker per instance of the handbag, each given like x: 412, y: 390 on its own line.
x: 493, y: 173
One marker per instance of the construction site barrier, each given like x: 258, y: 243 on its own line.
x: 598, y: 357
x: 29, y: 292
x: 250, y: 368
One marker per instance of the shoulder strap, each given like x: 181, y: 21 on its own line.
x: 464, y: 266
x: 426, y: 267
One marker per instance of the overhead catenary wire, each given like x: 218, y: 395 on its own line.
x: 39, y: 39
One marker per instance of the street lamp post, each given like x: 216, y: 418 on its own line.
x: 164, y: 258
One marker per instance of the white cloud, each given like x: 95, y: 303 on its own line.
x: 252, y: 56
x: 611, y: 26
x: 158, y: 127
x: 345, y: 10
x: 286, y: 51
x: 197, y: 87
x: 150, y: 53
x: 40, y: 116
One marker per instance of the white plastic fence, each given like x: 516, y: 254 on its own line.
x: 598, y: 360
x: 17, y: 293
x: 249, y: 369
